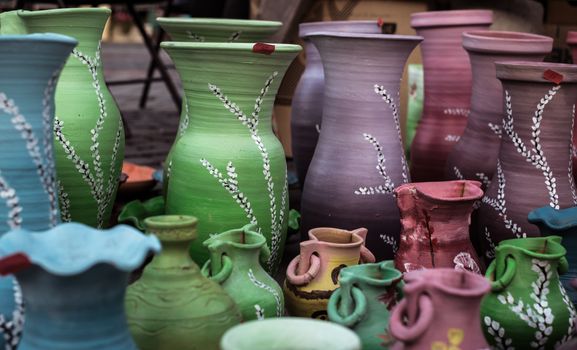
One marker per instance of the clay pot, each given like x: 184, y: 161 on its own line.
x: 359, y: 160
x: 534, y: 167
x: 474, y: 157
x: 447, y: 87
x: 307, y: 105
x: 312, y: 276
x: 572, y: 42
x: 435, y: 217
x: 440, y: 310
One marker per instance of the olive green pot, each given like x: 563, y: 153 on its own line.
x: 172, y: 306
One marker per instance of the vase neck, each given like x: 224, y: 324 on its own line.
x: 174, y: 255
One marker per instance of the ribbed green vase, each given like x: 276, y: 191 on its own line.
x: 228, y: 168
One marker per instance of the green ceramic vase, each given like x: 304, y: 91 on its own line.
x: 172, y: 306
x: 528, y: 308
x: 236, y: 163
x: 88, y: 130
x: 235, y: 264
x: 364, y: 300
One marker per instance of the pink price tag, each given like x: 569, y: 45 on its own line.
x: 263, y: 48
x: 380, y: 22
x: 553, y: 76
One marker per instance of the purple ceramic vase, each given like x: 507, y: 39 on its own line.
x: 534, y: 167
x: 474, y: 157
x: 572, y: 42
x: 447, y: 75
x: 307, y: 105
x: 359, y: 157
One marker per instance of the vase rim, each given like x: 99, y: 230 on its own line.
x: 555, y: 240
x: 368, y: 36
x: 355, y: 239
x: 309, y: 27
x: 235, y: 46
x: 258, y: 239
x: 572, y: 38
x: 39, y: 37
x: 170, y: 221
x: 451, y: 18
x: 478, y: 285
x: 358, y: 272
x: 506, y: 42
x: 75, y: 11
x: 558, y: 220
x: 423, y: 189
x: 533, y: 71
x: 219, y: 22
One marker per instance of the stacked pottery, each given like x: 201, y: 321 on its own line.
x: 312, y: 276
x: 359, y: 158
x: 572, y: 42
x: 447, y: 75
x: 307, y: 106
x: 235, y: 264
x: 364, y: 300
x: 435, y: 217
x: 534, y: 167
x: 528, y: 308
x: 440, y: 310
x: 475, y: 155
x: 172, y: 306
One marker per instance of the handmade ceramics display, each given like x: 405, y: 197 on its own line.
x: 364, y: 300
x: 230, y: 89
x: 289, y: 333
x: 312, y: 276
x: 29, y: 69
x: 172, y: 306
x: 447, y: 87
x: 475, y: 154
x: 534, y: 167
x: 307, y: 103
x: 435, y: 219
x: 440, y: 310
x: 528, y: 308
x: 73, y: 280
x: 359, y: 158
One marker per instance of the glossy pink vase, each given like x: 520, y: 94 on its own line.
x: 474, y: 157
x: 447, y: 75
x: 572, y: 42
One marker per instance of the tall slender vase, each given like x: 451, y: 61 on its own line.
x: 447, y: 87
x: 359, y: 158
x: 572, y: 42
x: 475, y: 154
x: 237, y: 163
x: 534, y: 167
x: 29, y: 69
x: 307, y: 106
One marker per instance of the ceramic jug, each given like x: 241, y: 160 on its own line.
x: 73, y: 280
x: 362, y: 138
x: 440, y: 310
x: 364, y: 301
x: 572, y: 43
x: 447, y: 79
x: 528, y: 307
x: 312, y: 276
x: 435, y: 218
x: 235, y: 264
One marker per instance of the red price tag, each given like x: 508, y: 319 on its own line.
x: 553, y: 76
x: 263, y: 48
x: 14, y: 263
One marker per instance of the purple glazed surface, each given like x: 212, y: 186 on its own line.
x: 572, y: 42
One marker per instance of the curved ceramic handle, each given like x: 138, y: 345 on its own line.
x: 366, y: 255
x: 408, y: 334
x: 264, y: 254
x: 563, y: 266
x: 360, y: 302
x: 221, y: 275
x: 503, y: 281
x: 307, y: 277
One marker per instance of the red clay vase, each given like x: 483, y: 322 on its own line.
x: 474, y: 157
x: 534, y: 167
x: 572, y: 42
x: 440, y: 311
x: 447, y: 78
x: 435, y: 218
x: 307, y: 105
x: 359, y: 158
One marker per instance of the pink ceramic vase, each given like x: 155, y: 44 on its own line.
x: 534, y: 167
x: 435, y: 219
x: 447, y: 87
x: 572, y: 42
x: 475, y: 154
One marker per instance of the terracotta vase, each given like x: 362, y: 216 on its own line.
x: 435, y: 217
x: 235, y: 264
x: 572, y: 42
x: 440, y: 310
x: 312, y: 276
x: 359, y: 160
x: 230, y: 90
x: 534, y: 167
x: 172, y: 306
x: 307, y: 103
x: 528, y: 308
x: 474, y: 157
x: 364, y: 301
x: 447, y: 87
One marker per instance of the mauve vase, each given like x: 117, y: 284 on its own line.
x: 572, y: 42
x: 474, y: 157
x: 307, y: 105
x: 534, y: 167
x: 447, y: 75
x: 359, y: 158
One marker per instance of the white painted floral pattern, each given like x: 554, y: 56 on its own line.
x: 12, y: 329
x: 272, y: 291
